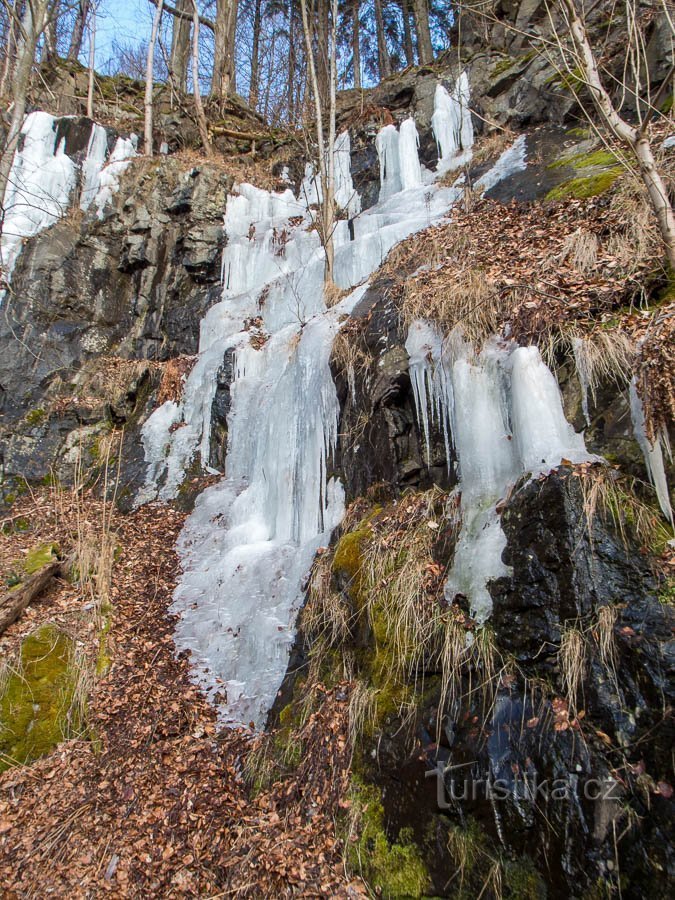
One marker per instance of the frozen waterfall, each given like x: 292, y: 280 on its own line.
x: 43, y: 179
x: 503, y: 413
x: 248, y: 546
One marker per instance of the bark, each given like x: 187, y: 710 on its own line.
x: 14, y: 602
x: 634, y: 138
x: 51, y: 32
x: 78, y: 29
x: 149, y: 78
x: 223, y: 59
x: 199, y: 108
x: 180, y: 46
x: 407, y: 34
x: 425, y: 50
x: 356, y: 44
x: 292, y: 61
x: 255, y: 57
x: 10, y: 50
x: 33, y: 23
x: 383, y: 60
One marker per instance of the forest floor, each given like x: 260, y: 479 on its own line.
x: 152, y: 798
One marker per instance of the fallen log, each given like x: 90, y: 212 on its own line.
x: 14, y: 602
x: 220, y: 131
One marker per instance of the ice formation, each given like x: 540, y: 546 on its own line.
x: 249, y: 543
x: 346, y: 197
x: 451, y: 121
x: 409, y: 161
x: 43, y: 179
x: 653, y: 452
x: 502, y: 412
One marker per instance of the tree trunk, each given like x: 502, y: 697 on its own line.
x: 78, y: 29
x: 149, y: 77
x: 425, y: 50
x: 13, y: 603
x: 383, y: 61
x: 51, y: 32
x: 92, y: 62
x: 635, y: 138
x: 407, y: 34
x: 223, y: 59
x: 199, y: 109
x: 255, y: 58
x: 180, y: 46
x: 10, y: 50
x: 292, y: 62
x: 356, y: 43
x: 32, y: 25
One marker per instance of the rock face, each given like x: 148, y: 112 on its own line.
x: 133, y: 286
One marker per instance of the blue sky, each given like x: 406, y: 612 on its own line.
x: 128, y: 21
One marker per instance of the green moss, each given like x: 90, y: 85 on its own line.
x: 667, y: 105
x: 393, y: 869
x: 596, y: 158
x: 35, y: 417
x: 588, y: 186
x: 503, y: 66
x: 103, y: 658
x: 36, y: 701
x: 523, y: 882
x: 667, y: 592
x: 40, y: 556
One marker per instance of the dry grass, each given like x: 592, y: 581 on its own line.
x: 604, y: 636
x: 362, y: 711
x: 614, y: 498
x: 351, y: 356
x: 174, y: 375
x: 581, y: 248
x: 572, y: 661
x: 451, y: 297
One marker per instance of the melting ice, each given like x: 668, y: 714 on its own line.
x: 451, y: 123
x: 503, y: 413
x: 653, y: 452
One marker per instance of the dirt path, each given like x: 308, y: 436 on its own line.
x: 155, y: 804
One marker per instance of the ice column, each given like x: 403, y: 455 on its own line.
x: 409, y: 141
x: 387, y: 145
x: 451, y: 120
x: 653, y: 452
x: 503, y: 412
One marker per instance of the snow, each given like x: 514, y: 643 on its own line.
x: 247, y: 548
x: 503, y: 413
x: 653, y: 452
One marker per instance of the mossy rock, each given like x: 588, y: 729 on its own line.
x: 39, y: 557
x: 584, y: 187
x: 35, y: 417
x: 393, y: 869
x: 37, y: 709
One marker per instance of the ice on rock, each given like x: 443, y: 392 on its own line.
x: 41, y: 181
x: 503, y: 412
x: 652, y: 451
x: 249, y: 543
x: 451, y: 121
x: 346, y: 195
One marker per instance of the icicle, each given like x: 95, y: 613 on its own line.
x: 653, y: 452
x: 346, y: 196
x: 503, y: 411
x: 583, y: 374
x: 451, y: 121
x: 387, y: 145
x: 248, y: 545
x: 41, y: 182
x: 93, y: 163
x: 409, y: 141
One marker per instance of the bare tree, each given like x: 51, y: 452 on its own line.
x: 254, y: 87
x: 81, y: 16
x: 581, y: 57
x: 92, y: 63
x: 10, y: 46
x: 29, y: 29
x: 201, y: 118
x: 326, y: 149
x: 425, y: 49
x: 150, y: 76
x: 223, y: 60
x: 180, y: 45
x: 356, y: 43
x: 383, y: 59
